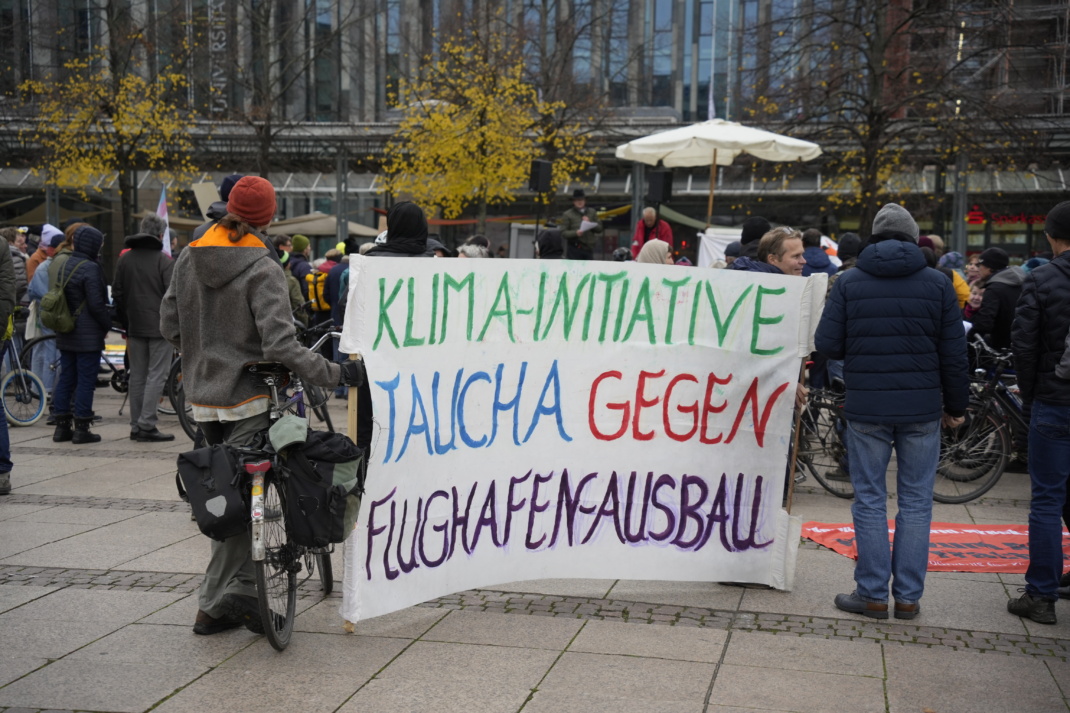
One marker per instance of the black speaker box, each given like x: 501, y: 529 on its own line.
x: 659, y: 186
x: 539, y: 182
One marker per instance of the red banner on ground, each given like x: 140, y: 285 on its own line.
x: 952, y: 547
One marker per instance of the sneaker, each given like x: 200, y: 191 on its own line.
x: 206, y: 625
x: 153, y: 436
x: 5, y: 483
x: 245, y: 609
x: 839, y: 475
x: 857, y: 605
x: 907, y: 611
x: 1042, y: 611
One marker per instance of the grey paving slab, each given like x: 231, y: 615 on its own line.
x: 181, y: 613
x: 56, y: 467
x: 12, y: 596
x: 733, y: 709
x: 188, y: 556
x: 558, y: 587
x: 685, y: 594
x: 819, y: 576
x: 660, y: 642
x: 360, y: 657
x: 46, y: 640
x: 95, y: 685
x: 919, y: 678
x: 797, y: 653
x: 629, y: 677
x: 14, y: 667
x: 425, y: 695
x: 964, y: 577
x: 470, y: 664
x: 103, y: 480
x: 102, y: 605
x: 105, y: 547
x: 160, y: 487
x: 1060, y: 671
x: 408, y: 623
x: 972, y: 605
x: 10, y: 511
x: 987, y: 514
x: 555, y: 702
x: 799, y: 691
x: 492, y: 629
x: 17, y: 537
x: 76, y: 516
x: 237, y: 691
x: 162, y: 645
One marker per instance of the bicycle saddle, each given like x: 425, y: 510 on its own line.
x: 262, y: 370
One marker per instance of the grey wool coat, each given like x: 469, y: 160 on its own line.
x: 227, y: 306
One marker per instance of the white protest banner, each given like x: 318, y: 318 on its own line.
x: 572, y: 419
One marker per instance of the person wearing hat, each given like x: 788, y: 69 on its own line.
x: 45, y: 249
x: 1042, y: 360
x: 299, y: 264
x: 142, y: 276
x: 80, y: 349
x: 897, y: 326
x: 580, y: 243
x: 751, y: 233
x: 293, y: 289
x: 45, y: 354
x: 218, y: 208
x: 1003, y: 285
x: 227, y: 306
x: 731, y: 252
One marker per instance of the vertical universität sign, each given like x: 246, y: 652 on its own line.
x: 572, y: 419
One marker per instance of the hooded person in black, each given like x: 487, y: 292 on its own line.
x: 406, y: 233
x: 551, y: 245
x: 218, y: 209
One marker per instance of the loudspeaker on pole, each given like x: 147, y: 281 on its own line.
x: 541, y: 171
x: 659, y: 186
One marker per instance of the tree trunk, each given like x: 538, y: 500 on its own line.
x: 481, y: 216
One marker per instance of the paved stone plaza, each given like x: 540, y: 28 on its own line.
x: 99, y: 564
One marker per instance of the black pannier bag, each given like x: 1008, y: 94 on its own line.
x: 325, y: 479
x: 217, y: 490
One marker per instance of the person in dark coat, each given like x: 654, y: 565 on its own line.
x: 1003, y: 286
x: 580, y: 243
x: 779, y: 251
x: 142, y: 276
x: 550, y: 245
x: 897, y: 326
x: 817, y: 260
x: 80, y: 349
x: 7, y: 306
x: 1039, y: 338
x: 219, y: 208
x: 299, y: 264
x: 406, y: 233
x: 752, y: 231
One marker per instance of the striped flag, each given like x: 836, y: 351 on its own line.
x: 161, y: 210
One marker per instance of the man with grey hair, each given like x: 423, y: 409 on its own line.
x: 650, y: 227
x: 142, y: 276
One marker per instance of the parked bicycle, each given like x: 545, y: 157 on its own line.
x: 822, y: 452
x: 25, y: 397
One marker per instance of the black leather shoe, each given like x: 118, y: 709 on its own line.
x: 245, y: 609
x: 206, y: 625
x: 857, y: 605
x: 1042, y: 611
x: 133, y: 433
x: 153, y: 436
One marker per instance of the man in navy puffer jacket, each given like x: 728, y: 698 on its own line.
x: 897, y: 326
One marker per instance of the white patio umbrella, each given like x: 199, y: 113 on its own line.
x: 715, y: 142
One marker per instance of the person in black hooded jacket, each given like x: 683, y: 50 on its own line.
x: 550, y: 244
x: 406, y: 232
x: 80, y: 349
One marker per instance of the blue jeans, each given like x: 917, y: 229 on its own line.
x: 917, y: 449
x: 1049, y: 468
x: 77, y: 378
x: 44, y: 361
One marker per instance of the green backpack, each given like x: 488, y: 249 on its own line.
x: 55, y: 312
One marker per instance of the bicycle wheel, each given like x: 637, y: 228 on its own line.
x: 972, y: 457
x: 25, y: 398
x: 821, y: 449
x: 276, y: 574
x: 26, y: 352
x: 178, y: 400
x: 317, y: 398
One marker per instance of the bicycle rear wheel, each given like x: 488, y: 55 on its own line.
x: 25, y: 398
x: 177, y: 395
x: 972, y: 457
x: 821, y: 449
x: 276, y: 574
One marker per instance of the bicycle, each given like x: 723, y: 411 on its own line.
x: 974, y: 456
x: 821, y: 449
x: 277, y: 560
x: 24, y: 394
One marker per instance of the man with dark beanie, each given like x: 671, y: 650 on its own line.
x: 897, y: 326
x: 228, y: 305
x: 1003, y: 286
x: 219, y: 208
x: 753, y: 230
x: 1039, y: 337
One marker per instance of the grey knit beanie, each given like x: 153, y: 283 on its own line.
x: 894, y: 218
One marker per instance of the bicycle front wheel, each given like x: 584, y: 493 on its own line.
x: 821, y: 449
x: 276, y: 574
x: 24, y: 397
x: 972, y: 457
x: 318, y: 397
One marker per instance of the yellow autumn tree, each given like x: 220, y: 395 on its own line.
x: 90, y: 123
x: 471, y: 126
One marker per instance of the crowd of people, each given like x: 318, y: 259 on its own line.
x: 895, y: 327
